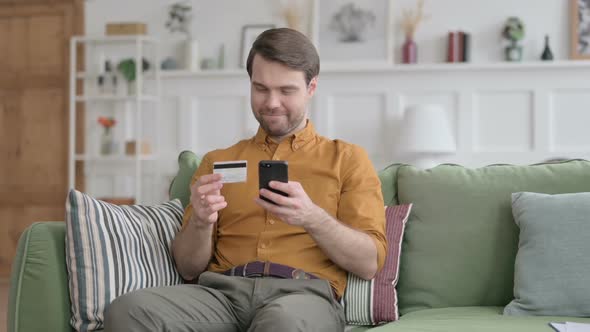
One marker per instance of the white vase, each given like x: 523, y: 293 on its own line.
x: 191, y: 55
x: 107, y: 143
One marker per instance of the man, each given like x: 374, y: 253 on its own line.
x: 263, y: 266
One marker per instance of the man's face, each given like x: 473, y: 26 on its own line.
x: 279, y: 97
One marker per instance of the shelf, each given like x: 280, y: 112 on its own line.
x: 360, y: 68
x: 114, y: 39
x: 450, y: 67
x: 117, y: 157
x: 202, y: 73
x: 137, y: 47
x: 86, y: 75
x: 116, y: 98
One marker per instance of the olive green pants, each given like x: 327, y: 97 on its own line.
x: 224, y: 303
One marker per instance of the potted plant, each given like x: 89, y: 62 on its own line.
x: 513, y: 32
x: 179, y: 21
x: 127, y: 68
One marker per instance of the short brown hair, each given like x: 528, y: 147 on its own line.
x: 289, y: 47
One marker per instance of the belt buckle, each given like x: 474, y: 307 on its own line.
x: 244, y: 270
x: 299, y: 274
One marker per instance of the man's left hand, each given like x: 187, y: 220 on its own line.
x: 297, y: 209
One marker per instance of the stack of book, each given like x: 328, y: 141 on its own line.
x: 459, y: 46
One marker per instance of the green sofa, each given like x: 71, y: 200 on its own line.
x: 457, y: 261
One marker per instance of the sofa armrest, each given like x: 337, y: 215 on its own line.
x: 39, y: 299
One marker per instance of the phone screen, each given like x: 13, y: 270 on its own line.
x: 272, y: 170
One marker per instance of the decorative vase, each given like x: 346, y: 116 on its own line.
x: 513, y: 52
x: 131, y: 88
x: 410, y: 51
x: 191, y: 55
x: 547, y: 53
x: 107, y: 144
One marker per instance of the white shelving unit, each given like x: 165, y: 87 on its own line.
x: 100, y: 103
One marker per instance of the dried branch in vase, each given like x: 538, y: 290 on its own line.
x: 292, y: 14
x: 411, y: 19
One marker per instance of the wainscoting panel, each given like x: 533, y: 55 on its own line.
x: 570, y: 121
x: 219, y: 122
x: 503, y: 121
x: 359, y: 118
x: 499, y: 113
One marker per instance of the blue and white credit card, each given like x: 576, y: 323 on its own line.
x: 232, y: 171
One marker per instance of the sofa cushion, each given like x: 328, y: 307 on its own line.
x: 112, y: 250
x: 469, y: 319
x: 460, y: 242
x: 371, y: 302
x: 552, y: 270
x: 388, y: 178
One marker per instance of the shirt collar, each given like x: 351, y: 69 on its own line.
x: 296, y: 140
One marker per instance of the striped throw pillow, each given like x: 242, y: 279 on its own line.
x: 112, y: 250
x: 372, y: 302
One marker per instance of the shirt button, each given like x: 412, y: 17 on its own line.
x: 295, y: 146
x: 263, y: 246
x: 272, y: 222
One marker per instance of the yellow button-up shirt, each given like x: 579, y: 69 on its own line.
x: 337, y: 176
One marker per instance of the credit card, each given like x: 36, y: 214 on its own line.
x: 232, y: 171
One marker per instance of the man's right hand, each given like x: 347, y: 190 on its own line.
x: 206, y: 200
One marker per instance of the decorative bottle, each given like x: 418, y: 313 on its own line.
x: 547, y: 54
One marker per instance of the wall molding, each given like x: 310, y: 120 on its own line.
x: 500, y: 113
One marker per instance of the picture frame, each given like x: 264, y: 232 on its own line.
x: 580, y: 29
x: 249, y: 34
x: 355, y: 32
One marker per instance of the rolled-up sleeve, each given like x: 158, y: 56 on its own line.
x: 361, y: 201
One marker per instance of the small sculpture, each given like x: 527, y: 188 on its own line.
x: 351, y: 22
x: 179, y: 17
x: 547, y: 53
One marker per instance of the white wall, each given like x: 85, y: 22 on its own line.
x: 499, y: 113
x: 218, y: 22
x: 215, y: 22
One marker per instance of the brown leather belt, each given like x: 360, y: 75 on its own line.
x: 260, y: 269
x: 267, y: 269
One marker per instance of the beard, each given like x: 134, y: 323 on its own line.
x: 280, y: 124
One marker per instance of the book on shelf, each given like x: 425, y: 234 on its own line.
x: 458, y: 46
x: 451, y: 47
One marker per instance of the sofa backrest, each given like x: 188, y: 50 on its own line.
x: 460, y: 242
x: 188, y: 162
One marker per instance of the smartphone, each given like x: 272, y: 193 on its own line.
x: 272, y: 170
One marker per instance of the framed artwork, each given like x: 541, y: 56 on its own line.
x: 249, y: 34
x: 359, y: 31
x: 580, y: 29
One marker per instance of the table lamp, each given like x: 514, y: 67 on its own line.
x: 425, y: 134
